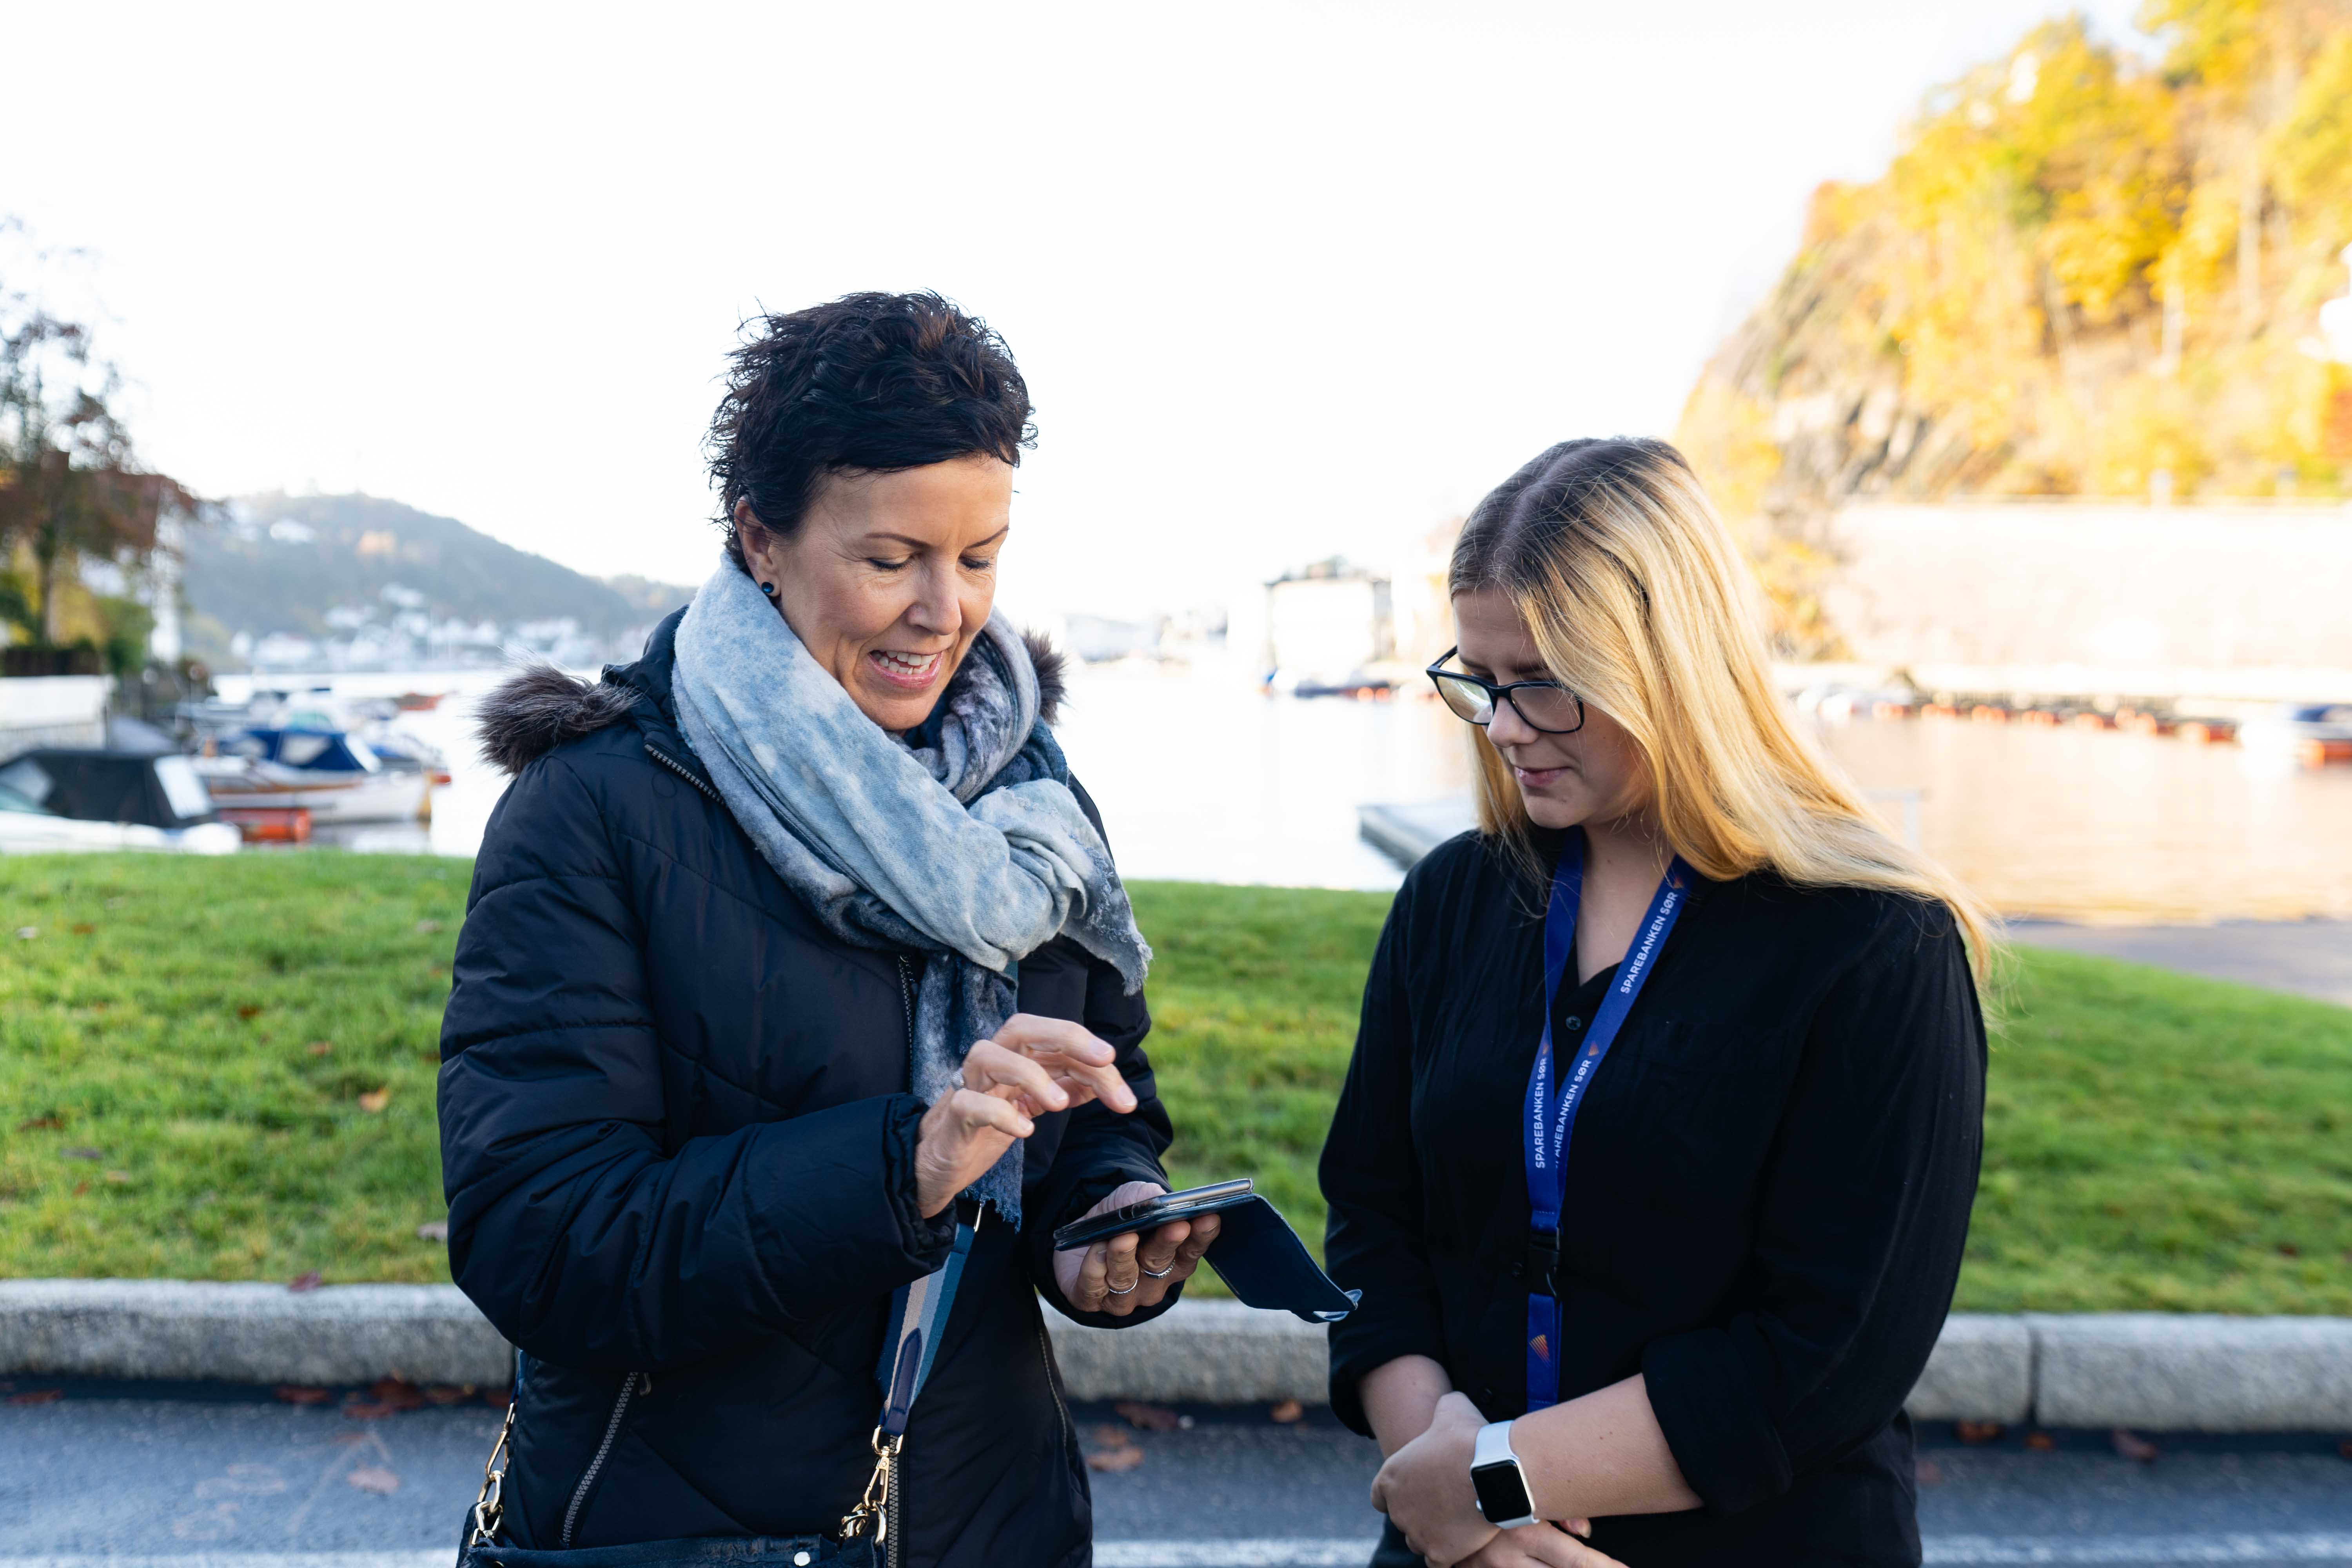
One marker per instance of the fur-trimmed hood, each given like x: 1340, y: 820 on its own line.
x: 540, y: 706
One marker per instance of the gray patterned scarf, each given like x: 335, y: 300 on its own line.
x: 971, y: 850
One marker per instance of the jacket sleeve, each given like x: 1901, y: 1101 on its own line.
x: 1373, y: 1238
x: 1864, y: 1211
x: 581, y: 1240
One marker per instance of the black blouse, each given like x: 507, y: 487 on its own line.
x: 1768, y: 1190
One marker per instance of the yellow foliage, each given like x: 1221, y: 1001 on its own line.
x: 2079, y: 270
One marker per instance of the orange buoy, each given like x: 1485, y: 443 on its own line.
x: 270, y: 824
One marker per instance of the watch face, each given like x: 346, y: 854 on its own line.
x: 1501, y: 1493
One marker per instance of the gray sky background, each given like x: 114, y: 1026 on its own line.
x: 1286, y: 279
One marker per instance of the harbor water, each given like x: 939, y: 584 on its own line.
x: 1201, y: 776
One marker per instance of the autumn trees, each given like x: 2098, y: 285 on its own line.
x: 73, y: 488
x: 2086, y: 272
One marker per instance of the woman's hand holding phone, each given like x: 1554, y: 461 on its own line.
x: 1132, y: 1271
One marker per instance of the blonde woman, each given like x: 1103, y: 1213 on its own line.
x: 1655, y: 1159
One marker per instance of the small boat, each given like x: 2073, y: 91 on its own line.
x: 57, y: 798
x: 401, y: 752
x: 331, y: 773
x: 2315, y: 733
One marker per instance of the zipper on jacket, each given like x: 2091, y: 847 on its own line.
x: 629, y: 1384
x: 907, y: 997
x: 681, y: 769
x: 1053, y: 1381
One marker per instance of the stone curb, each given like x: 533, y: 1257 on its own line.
x: 247, y: 1333
x: 2177, y: 1373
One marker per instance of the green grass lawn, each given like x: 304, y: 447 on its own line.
x: 2153, y: 1141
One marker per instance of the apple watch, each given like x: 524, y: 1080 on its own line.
x: 1494, y: 1473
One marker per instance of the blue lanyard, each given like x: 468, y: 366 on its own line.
x: 1550, y: 1118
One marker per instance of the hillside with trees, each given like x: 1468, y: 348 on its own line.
x: 2091, y: 270
x: 301, y: 565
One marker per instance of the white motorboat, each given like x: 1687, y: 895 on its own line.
x: 331, y: 773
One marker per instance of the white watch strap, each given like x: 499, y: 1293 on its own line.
x: 1493, y: 1444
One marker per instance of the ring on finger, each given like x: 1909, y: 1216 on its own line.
x: 1117, y: 1292
x: 1158, y: 1273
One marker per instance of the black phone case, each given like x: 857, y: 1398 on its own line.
x: 1261, y: 1259
x: 1086, y: 1232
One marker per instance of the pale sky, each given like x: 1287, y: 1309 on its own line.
x: 1285, y: 278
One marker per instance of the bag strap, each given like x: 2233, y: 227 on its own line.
x: 489, y: 1506
x: 918, y: 1317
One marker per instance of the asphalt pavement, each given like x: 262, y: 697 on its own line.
x: 180, y: 1477
x: 2307, y: 957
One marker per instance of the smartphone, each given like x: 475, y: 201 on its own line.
x: 1152, y: 1212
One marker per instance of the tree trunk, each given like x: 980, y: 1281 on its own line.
x: 45, y: 567
x: 2250, y: 249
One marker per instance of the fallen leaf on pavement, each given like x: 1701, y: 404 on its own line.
x: 2041, y: 1442
x: 1980, y: 1431
x: 433, y: 1230
x: 301, y: 1282
x: 448, y: 1393
x: 1288, y: 1411
x: 397, y: 1392
x: 1114, y: 1461
x: 374, y: 1101
x: 1927, y: 1472
x: 38, y: 1396
x: 300, y: 1394
x: 374, y: 1479
x: 1150, y: 1417
x: 2135, y: 1447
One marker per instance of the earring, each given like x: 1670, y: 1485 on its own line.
x: 769, y: 589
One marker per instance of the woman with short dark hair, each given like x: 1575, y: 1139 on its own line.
x: 798, y: 1002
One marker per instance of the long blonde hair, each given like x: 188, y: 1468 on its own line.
x: 1640, y: 602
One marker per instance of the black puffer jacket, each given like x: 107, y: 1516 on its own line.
x: 677, y: 1146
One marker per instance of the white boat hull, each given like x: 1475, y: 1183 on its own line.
x: 328, y: 797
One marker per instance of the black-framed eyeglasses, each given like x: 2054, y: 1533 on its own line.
x: 1545, y: 705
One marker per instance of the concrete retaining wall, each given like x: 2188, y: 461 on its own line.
x: 2160, y: 1372
x: 247, y: 1333
x: 53, y: 710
